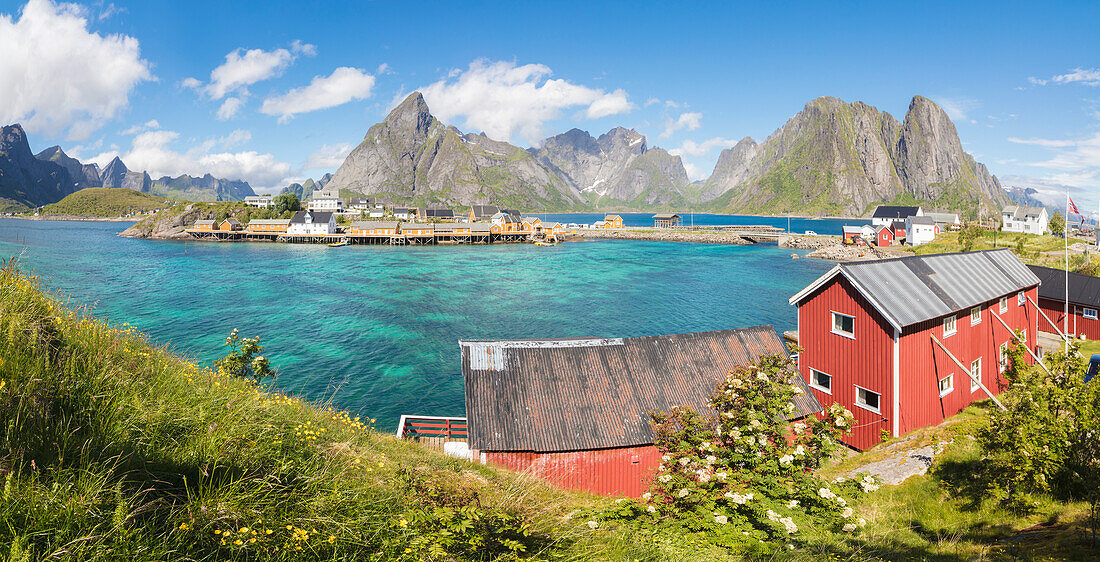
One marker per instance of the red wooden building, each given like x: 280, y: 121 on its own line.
x: 575, y: 411
x: 884, y: 235
x: 895, y: 341
x: 1084, y: 302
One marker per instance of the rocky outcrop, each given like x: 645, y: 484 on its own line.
x: 412, y: 156
x: 83, y: 175
x: 26, y: 181
x: 169, y: 224
x: 617, y: 166
x: 842, y: 158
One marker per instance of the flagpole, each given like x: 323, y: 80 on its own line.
x: 1065, y: 236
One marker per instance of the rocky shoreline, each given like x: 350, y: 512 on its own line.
x: 73, y: 218
x: 714, y: 237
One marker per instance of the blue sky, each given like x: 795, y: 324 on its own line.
x: 276, y: 92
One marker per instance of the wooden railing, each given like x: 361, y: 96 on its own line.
x: 440, y: 427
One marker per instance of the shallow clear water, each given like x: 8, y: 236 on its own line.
x: 376, y: 328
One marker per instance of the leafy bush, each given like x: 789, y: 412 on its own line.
x: 244, y: 359
x: 743, y: 477
x: 1047, y: 440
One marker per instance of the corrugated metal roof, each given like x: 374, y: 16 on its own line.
x: 594, y: 393
x: 894, y: 212
x: 1083, y: 289
x: 917, y: 288
x: 270, y: 221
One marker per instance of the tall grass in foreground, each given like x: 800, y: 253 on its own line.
x: 111, y: 448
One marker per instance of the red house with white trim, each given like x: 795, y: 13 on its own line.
x: 884, y: 236
x: 888, y: 339
x: 1084, y: 302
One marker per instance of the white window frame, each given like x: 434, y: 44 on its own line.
x: 954, y: 325
x: 1021, y: 298
x: 1003, y: 308
x: 950, y: 385
x: 1002, y: 359
x: 975, y: 363
x: 864, y: 405
x: 977, y: 309
x: 832, y: 327
x: 813, y: 383
x: 1085, y: 313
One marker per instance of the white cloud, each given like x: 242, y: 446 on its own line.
x: 383, y: 69
x: 151, y: 124
x: 689, y: 121
x: 1043, y: 142
x: 1075, y: 162
x: 505, y: 100
x: 329, y: 156
x: 229, y: 108
x: 243, y: 68
x: 151, y: 151
x: 652, y: 101
x: 59, y: 77
x: 1087, y: 76
x: 694, y: 172
x: 1035, y: 81
x: 692, y: 148
x: 957, y: 108
x: 345, y: 84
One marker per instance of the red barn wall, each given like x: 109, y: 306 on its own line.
x: 1078, y: 324
x: 623, y: 471
x: 866, y: 361
x: 923, y: 363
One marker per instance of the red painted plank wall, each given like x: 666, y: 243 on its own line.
x: 1078, y: 324
x: 923, y: 363
x: 624, y: 471
x: 866, y: 361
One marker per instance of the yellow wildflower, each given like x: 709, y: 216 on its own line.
x: 183, y: 526
x: 238, y: 542
x: 403, y: 523
x: 244, y: 529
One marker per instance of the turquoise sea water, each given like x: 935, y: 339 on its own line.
x: 797, y: 225
x: 376, y: 328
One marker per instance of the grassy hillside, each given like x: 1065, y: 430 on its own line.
x: 106, y: 202
x: 115, y: 449
x: 1046, y: 250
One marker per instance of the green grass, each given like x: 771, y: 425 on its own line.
x: 115, y: 449
x: 106, y: 202
x: 1046, y: 250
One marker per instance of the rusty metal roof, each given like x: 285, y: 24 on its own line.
x: 595, y: 393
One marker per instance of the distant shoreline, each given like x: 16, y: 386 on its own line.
x: 71, y: 218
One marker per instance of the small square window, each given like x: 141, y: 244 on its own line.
x: 975, y: 374
x: 821, y: 381
x: 948, y: 326
x: 1089, y: 314
x: 1004, y: 305
x: 975, y: 316
x: 844, y: 325
x: 1021, y: 299
x: 867, y: 400
x: 947, y: 384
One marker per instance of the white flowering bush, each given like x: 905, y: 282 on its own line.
x: 743, y: 475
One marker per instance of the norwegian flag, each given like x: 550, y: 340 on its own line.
x: 1073, y: 206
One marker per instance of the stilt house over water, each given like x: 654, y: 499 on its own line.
x: 576, y: 411
x: 895, y: 341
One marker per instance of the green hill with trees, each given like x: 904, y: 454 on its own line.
x: 105, y: 202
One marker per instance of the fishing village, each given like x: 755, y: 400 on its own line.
x: 503, y: 282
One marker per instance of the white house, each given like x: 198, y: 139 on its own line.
x: 329, y: 204
x: 1022, y: 218
x: 404, y: 213
x: 261, y: 201
x: 887, y: 214
x: 920, y: 230
x: 312, y: 223
x: 946, y: 221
